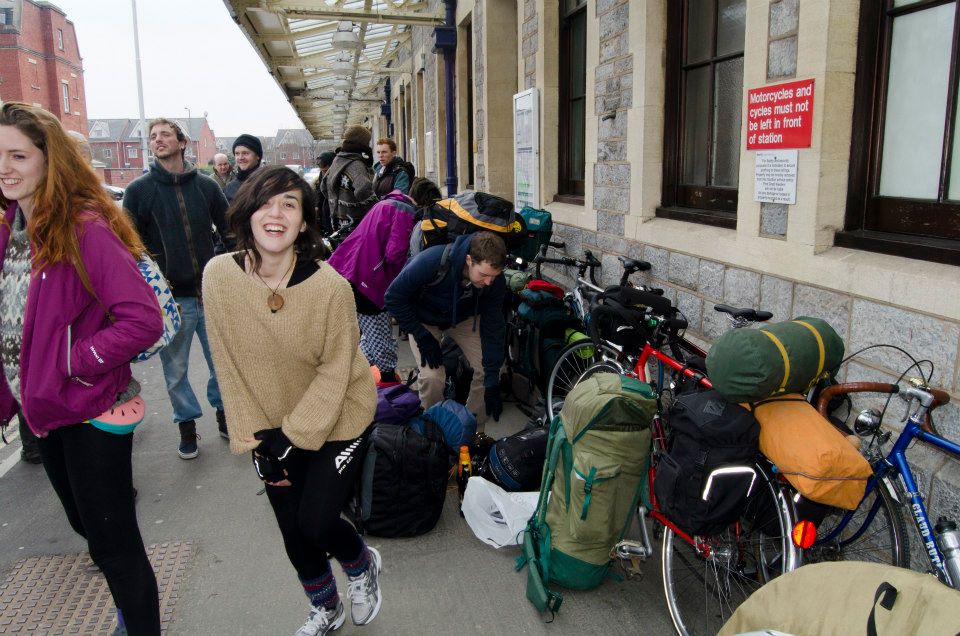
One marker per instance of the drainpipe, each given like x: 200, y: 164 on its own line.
x: 445, y: 40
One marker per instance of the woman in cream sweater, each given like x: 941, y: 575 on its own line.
x: 297, y: 391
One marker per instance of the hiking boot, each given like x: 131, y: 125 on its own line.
x: 188, y: 440
x: 323, y: 621
x: 364, y: 591
x: 30, y: 455
x: 222, y: 425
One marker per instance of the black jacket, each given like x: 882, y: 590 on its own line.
x: 417, y: 297
x: 175, y: 215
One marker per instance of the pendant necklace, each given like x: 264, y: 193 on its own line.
x: 275, y: 300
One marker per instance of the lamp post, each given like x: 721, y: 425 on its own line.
x: 187, y: 131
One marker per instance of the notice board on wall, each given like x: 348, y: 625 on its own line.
x: 526, y: 149
x: 780, y: 116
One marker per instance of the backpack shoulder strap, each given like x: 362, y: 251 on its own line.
x: 444, y: 266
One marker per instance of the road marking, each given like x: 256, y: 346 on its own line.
x: 9, y: 462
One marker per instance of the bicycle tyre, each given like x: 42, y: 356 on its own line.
x: 577, y: 361
x: 704, y: 587
x: 876, y: 532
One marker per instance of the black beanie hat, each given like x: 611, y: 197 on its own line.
x: 249, y: 141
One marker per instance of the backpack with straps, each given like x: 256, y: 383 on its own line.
x: 466, y: 213
x: 404, y: 480
x: 596, y: 460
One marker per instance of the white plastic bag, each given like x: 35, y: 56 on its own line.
x: 496, y: 516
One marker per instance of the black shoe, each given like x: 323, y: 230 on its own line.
x: 188, y: 448
x: 222, y: 425
x: 30, y: 455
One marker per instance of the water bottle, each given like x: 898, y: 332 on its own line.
x: 464, y: 469
x: 949, y: 540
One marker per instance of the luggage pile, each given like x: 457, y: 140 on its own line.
x: 409, y: 454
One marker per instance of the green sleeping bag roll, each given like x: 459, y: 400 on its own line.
x: 747, y: 365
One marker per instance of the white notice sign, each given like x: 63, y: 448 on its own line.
x: 775, y: 176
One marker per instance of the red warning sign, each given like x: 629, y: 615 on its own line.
x: 780, y: 116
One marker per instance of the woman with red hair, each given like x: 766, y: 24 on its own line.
x: 69, y: 276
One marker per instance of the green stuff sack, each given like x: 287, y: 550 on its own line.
x: 597, y: 456
x: 539, y: 229
x: 747, y: 365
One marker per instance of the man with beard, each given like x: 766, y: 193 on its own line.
x: 247, y: 152
x: 175, y: 208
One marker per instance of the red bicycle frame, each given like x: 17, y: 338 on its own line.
x: 640, y: 370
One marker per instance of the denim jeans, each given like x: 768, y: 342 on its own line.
x: 176, y: 359
x: 91, y: 472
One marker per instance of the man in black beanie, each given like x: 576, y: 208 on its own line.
x: 248, y: 152
x: 349, y: 183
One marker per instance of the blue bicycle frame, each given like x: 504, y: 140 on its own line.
x: 895, y: 464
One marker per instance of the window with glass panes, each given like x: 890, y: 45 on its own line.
x: 704, y: 96
x: 573, y: 98
x: 904, y: 183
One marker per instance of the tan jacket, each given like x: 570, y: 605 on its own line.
x: 299, y: 369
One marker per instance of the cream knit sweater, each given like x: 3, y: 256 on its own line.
x: 300, y: 369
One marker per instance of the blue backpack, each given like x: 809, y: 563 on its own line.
x: 457, y: 424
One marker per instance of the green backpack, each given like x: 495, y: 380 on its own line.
x: 597, y: 457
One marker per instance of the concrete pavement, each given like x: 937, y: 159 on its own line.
x: 238, y: 581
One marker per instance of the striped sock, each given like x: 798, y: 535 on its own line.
x: 322, y: 591
x: 358, y: 566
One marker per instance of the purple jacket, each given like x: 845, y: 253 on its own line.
x: 376, y: 251
x: 73, y: 360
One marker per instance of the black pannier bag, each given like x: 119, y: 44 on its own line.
x: 703, y: 480
x: 404, y: 481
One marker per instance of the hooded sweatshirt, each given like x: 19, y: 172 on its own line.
x: 175, y: 215
x: 420, y: 296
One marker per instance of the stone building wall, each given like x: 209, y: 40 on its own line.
x: 479, y: 88
x: 529, y: 42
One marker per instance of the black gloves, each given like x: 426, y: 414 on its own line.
x: 270, y: 457
x: 430, y: 353
x: 493, y: 402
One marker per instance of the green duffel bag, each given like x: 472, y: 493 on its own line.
x: 747, y: 365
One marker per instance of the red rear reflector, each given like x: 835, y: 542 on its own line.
x: 804, y: 534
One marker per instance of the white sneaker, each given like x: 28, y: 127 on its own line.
x: 323, y: 621
x: 364, y: 591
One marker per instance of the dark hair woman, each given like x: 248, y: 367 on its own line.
x: 297, y: 391
x: 70, y: 363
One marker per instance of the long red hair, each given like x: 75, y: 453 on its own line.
x: 68, y: 191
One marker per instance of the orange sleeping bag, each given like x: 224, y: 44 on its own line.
x: 814, y: 456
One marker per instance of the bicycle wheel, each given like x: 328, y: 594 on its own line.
x: 706, y: 582
x: 579, y: 360
x: 874, y: 532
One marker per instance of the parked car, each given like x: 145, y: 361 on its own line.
x: 296, y: 168
x: 115, y: 192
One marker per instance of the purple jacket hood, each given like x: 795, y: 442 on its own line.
x: 73, y: 360
x: 375, y: 252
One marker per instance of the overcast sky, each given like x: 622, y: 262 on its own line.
x: 193, y: 55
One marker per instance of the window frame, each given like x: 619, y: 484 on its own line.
x: 133, y: 152
x: 65, y: 95
x: 569, y: 190
x: 883, y: 224
x: 60, y: 39
x: 709, y: 205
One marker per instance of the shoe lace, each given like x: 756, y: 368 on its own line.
x: 358, y: 588
x: 318, y: 618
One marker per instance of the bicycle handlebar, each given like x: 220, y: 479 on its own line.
x: 932, y: 397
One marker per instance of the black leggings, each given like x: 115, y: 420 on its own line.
x: 308, y: 511
x: 92, y: 474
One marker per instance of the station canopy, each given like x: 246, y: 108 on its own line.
x: 329, y: 56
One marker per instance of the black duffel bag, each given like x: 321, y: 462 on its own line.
x: 515, y: 463
x: 404, y: 481
x: 703, y: 479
